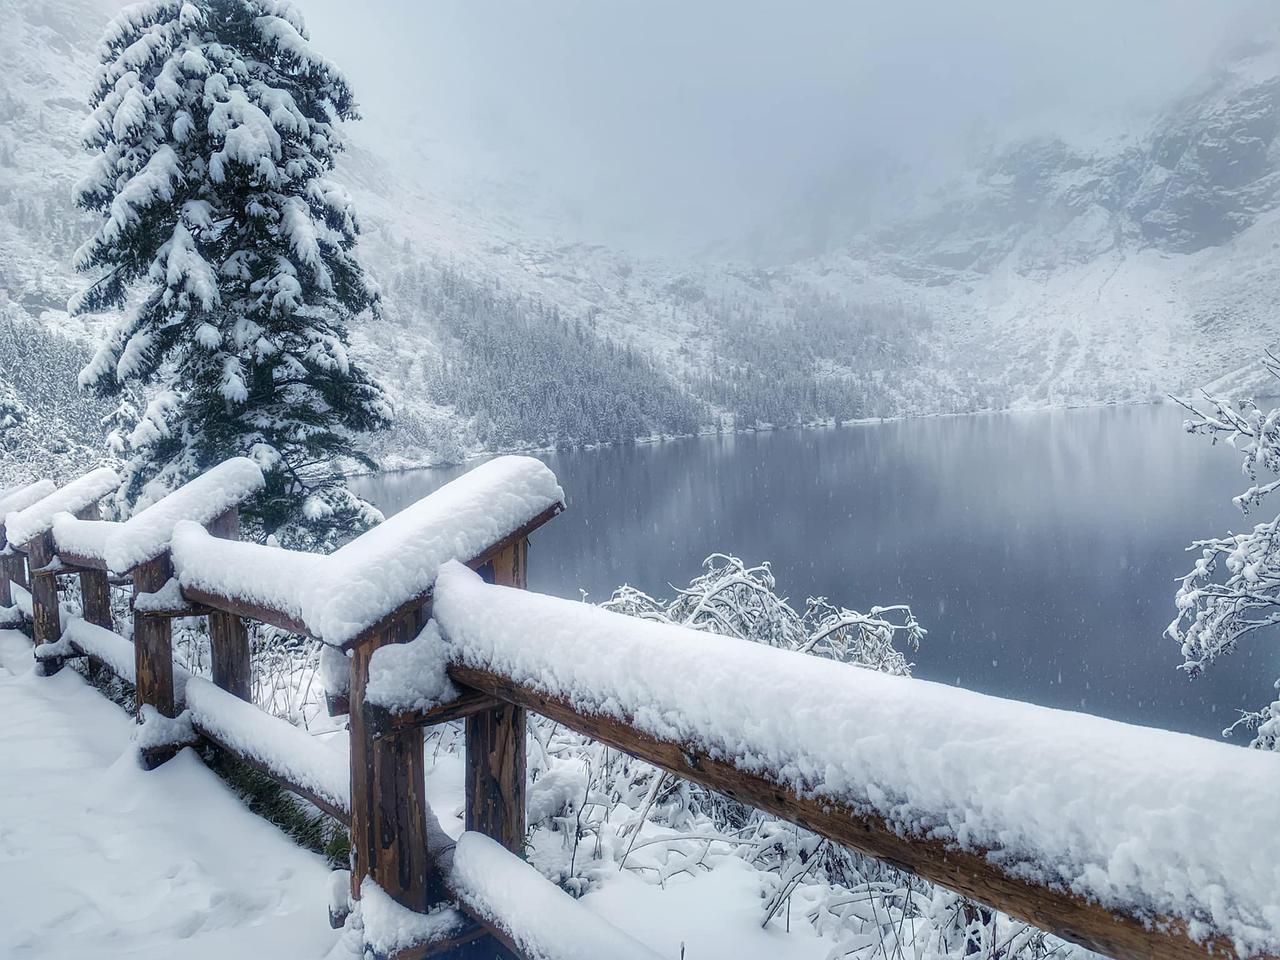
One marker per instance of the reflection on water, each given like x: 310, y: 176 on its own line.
x: 1039, y: 549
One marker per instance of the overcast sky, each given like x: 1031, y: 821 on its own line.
x: 686, y: 120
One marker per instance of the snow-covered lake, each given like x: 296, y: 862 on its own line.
x: 1039, y: 549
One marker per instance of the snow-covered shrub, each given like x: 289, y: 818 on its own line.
x: 735, y: 600
x: 1233, y: 591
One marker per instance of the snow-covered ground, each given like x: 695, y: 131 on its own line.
x: 101, y: 859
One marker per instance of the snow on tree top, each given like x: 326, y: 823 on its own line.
x: 339, y: 595
x: 23, y: 526
x: 20, y: 498
x: 146, y: 534
x: 1134, y: 818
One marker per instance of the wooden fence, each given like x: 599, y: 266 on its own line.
x: 396, y: 843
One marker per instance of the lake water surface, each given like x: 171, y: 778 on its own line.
x: 1040, y: 550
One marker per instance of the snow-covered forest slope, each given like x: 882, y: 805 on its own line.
x: 1046, y: 273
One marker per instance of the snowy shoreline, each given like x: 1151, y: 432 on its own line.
x: 401, y: 464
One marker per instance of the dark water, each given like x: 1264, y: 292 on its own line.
x: 1039, y: 549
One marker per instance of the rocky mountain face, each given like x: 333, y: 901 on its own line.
x: 1212, y: 167
x: 1206, y: 171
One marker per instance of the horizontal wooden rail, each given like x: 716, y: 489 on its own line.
x: 245, y: 608
x: 383, y: 722
x: 74, y: 563
x: 275, y: 747
x: 1116, y: 837
x: 288, y: 622
x: 277, y: 774
x: 113, y: 652
x: 970, y: 873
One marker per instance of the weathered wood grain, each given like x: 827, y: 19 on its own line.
x: 153, y: 641
x: 6, y: 571
x: 246, y: 609
x: 95, y: 590
x: 382, y: 721
x: 388, y: 796
x: 494, y: 778
x: 232, y: 664
x: 45, y: 614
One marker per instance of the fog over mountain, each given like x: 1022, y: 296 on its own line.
x: 602, y: 221
x: 671, y: 127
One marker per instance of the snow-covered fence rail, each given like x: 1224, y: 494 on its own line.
x: 139, y: 549
x: 28, y: 525
x: 13, y: 565
x: 371, y: 593
x: 1126, y: 840
x: 61, y: 533
x: 182, y: 560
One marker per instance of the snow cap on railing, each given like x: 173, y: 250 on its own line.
x: 398, y: 559
x: 23, y: 526
x: 19, y: 498
x: 146, y: 534
x: 1142, y: 820
x: 338, y: 596
x: 253, y: 573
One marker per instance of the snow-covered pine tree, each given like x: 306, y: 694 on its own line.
x: 214, y: 126
x: 13, y: 414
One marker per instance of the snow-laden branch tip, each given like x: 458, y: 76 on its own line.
x: 1233, y: 589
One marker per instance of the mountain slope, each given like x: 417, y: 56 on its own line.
x: 1047, y: 273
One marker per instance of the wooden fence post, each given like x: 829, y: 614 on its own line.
x: 388, y: 793
x: 16, y: 565
x: 495, y: 741
x: 153, y: 642
x: 228, y: 636
x: 44, y: 597
x: 95, y: 590
x: 6, y: 569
